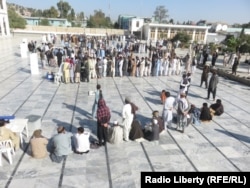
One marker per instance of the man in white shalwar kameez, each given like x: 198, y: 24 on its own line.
x: 168, y: 108
x: 128, y: 117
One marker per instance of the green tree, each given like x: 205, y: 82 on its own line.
x: 37, y: 13
x: 99, y: 20
x: 44, y: 22
x: 183, y: 37
x: 161, y: 13
x: 231, y: 43
x: 171, y: 21
x: 64, y: 9
x: 213, y: 46
x: 244, y: 42
x: 15, y: 21
x: 90, y: 22
x: 50, y: 13
x: 116, y: 25
x: 72, y: 15
x: 79, y: 17
x: 246, y: 25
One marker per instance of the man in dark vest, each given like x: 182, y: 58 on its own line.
x: 59, y: 56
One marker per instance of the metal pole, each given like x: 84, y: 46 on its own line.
x: 61, y: 2
x: 248, y: 61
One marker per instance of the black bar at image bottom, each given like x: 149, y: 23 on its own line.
x: 195, y: 179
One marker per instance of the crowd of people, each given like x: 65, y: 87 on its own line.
x: 187, y: 113
x: 81, y: 58
x: 84, y: 62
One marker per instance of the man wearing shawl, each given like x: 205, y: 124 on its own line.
x: 212, y: 86
x: 103, y: 118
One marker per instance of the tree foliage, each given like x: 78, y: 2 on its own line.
x: 99, y: 20
x: 237, y: 44
x: 231, y: 43
x: 37, y: 13
x: 15, y: 21
x: 171, y: 21
x: 246, y: 25
x: 80, y: 16
x: 183, y: 37
x: 244, y: 42
x: 161, y: 13
x: 72, y: 15
x: 63, y: 8
x: 116, y: 25
x: 44, y: 22
x: 50, y: 13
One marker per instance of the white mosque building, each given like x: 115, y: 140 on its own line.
x: 4, y: 20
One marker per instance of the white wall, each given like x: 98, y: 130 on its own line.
x: 133, y: 24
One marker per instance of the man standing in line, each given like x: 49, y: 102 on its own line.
x: 59, y: 56
x: 86, y: 69
x: 120, y: 64
x: 43, y: 61
x: 212, y: 86
x: 168, y: 108
x: 92, y: 64
x: 105, y: 63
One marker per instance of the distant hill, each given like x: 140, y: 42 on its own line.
x: 21, y: 10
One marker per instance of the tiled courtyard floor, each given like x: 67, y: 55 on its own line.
x: 220, y: 145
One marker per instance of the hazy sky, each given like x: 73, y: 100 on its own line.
x: 228, y: 11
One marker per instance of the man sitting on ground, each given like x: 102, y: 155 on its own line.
x: 205, y: 115
x: 136, y: 130
x: 217, y: 108
x: 152, y: 131
x: 116, y: 133
x: 81, y: 141
x: 61, y: 144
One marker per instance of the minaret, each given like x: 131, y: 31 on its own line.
x: 4, y: 20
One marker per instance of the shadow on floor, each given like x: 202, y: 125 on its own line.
x: 79, y: 110
x: 235, y: 135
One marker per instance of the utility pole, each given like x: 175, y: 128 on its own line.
x: 61, y: 5
x: 109, y: 9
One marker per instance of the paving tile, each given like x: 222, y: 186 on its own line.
x: 220, y: 145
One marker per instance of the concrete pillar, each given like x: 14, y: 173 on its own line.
x: 149, y: 34
x: 1, y: 25
x: 7, y: 25
x: 205, y: 37
x: 193, y: 36
x: 4, y: 5
x: 169, y: 31
x: 4, y: 20
x: 156, y: 33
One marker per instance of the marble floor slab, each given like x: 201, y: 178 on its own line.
x: 220, y: 145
